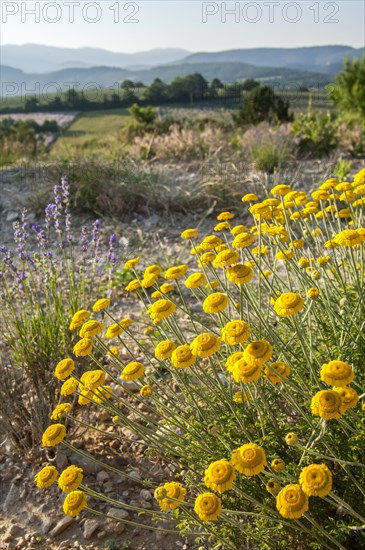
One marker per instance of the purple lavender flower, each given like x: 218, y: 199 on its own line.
x: 96, y: 240
x: 84, y: 239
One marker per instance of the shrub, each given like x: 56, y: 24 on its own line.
x: 262, y: 103
x: 348, y: 93
x: 244, y: 376
x: 316, y: 133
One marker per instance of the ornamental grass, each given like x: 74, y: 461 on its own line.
x: 246, y: 380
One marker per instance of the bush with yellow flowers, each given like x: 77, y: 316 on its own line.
x: 250, y: 373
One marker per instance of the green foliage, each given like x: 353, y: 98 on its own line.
x: 342, y: 169
x: 145, y: 116
x: 348, y: 92
x: 316, y: 133
x: 260, y: 104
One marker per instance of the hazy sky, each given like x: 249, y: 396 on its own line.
x: 194, y: 25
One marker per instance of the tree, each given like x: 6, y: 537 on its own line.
x: 143, y: 115
x: 157, y: 92
x: 262, y: 103
x: 192, y: 87
x: 348, y: 93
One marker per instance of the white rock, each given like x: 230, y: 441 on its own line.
x: 47, y: 525
x: 61, y: 526
x: 102, y: 476
x: 145, y: 494
x: 117, y: 513
x: 90, y: 526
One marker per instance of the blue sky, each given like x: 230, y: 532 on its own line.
x: 194, y: 25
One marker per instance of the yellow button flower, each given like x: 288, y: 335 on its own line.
x: 176, y: 272
x: 164, y: 349
x: 145, y: 391
x: 83, y: 347
x: 161, y: 309
x: 288, y: 304
x: 239, y: 274
x: 208, y: 506
x: 195, y: 280
x: 236, y: 332
x: 53, y: 435
x: 272, y: 486
x: 225, y: 258
x: 135, y: 284
x: 337, y: 373
x: 316, y: 480
x: 90, y: 328
x: 78, y: 318
x: 258, y: 352
x: 182, y: 357
x: 92, y: 379
x: 326, y: 404
x: 215, y: 303
x: 277, y: 371
x: 46, y: 477
x: 292, y: 502
x: 60, y: 410
x: 69, y: 387
x: 74, y: 503
x: 170, y: 495
x: 349, y: 398
x: 129, y: 264
x: 245, y: 372
x: 189, y: 234
x: 101, y: 304
x: 220, y: 476
x: 249, y: 459
x: 70, y: 479
x: 278, y: 464
x: 132, y: 371
x: 64, y: 368
x: 205, y: 345
x: 243, y: 240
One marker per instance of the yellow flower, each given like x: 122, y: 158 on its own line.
x: 316, y: 480
x: 166, y: 288
x: 297, y: 244
x: 349, y: 398
x: 222, y: 226
x: 46, y: 477
x: 258, y: 352
x: 69, y: 387
x: 83, y: 347
x: 326, y: 404
x: 208, y: 506
x: 161, y: 309
x: 74, y: 503
x: 205, y: 345
x: 176, y: 272
x: 288, y: 304
x: 245, y: 372
x: 210, y: 242
x: 195, y: 280
x: 60, y: 410
x: 249, y: 459
x: 272, y: 486
x: 170, y: 495
x: 231, y: 360
x: 277, y: 371
x: 292, y: 502
x: 320, y: 195
x: 70, y: 479
x: 313, y: 293
x: 164, y: 349
x: 132, y: 371
x: 239, y: 274
x: 291, y: 438
x: 113, y: 331
x: 281, y: 190
x: 189, y: 234
x: 349, y: 237
x: 313, y: 273
x: 249, y: 197
x: 157, y: 294
x: 152, y: 270
x: 101, y: 394
x: 278, y: 464
x: 78, y: 318
x: 237, y: 229
x: 260, y: 211
x: 225, y: 258
x: 145, y: 391
x: 101, y: 304
x: 224, y: 216
x: 92, y: 379
x: 64, y: 368
x: 182, y: 357
x: 262, y: 250
x: 90, y: 328
x: 243, y: 240
x: 149, y: 280
x: 220, y: 476
x: 303, y: 262
x: 337, y: 373
x: 113, y: 351
x: 53, y: 435
x: 215, y: 303
x: 206, y: 259
x: 236, y: 332
x: 240, y: 397
x: 129, y: 264
x: 284, y: 255
x: 133, y: 285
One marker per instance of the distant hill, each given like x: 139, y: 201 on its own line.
x: 322, y: 59
x: 16, y: 82
x: 34, y: 58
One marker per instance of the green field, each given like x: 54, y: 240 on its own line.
x: 90, y: 133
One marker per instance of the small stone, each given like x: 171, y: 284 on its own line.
x: 61, y: 461
x: 102, y: 476
x: 135, y: 475
x: 61, y: 526
x: 101, y: 535
x: 11, y: 216
x: 146, y: 505
x: 130, y: 385
x: 90, y: 526
x: 159, y: 535
x: 117, y: 513
x: 145, y: 494
x: 47, y: 525
x: 109, y: 487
